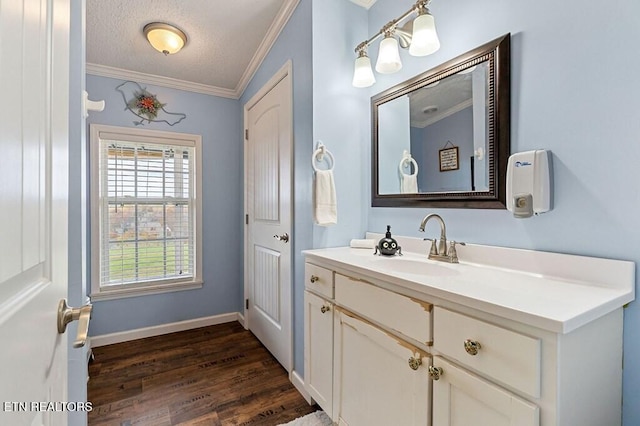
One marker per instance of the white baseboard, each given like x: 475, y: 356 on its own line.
x: 157, y: 330
x: 241, y: 319
x: 298, y: 383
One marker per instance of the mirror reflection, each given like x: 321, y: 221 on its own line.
x: 441, y: 138
x: 434, y: 139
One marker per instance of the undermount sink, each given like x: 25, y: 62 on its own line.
x: 412, y: 266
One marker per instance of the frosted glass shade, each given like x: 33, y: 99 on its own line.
x: 165, y: 38
x: 388, y: 56
x: 362, y: 73
x: 425, y: 38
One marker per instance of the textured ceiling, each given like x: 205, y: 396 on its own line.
x: 225, y: 38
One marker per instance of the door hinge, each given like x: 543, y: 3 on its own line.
x: 246, y: 134
x: 246, y: 303
x: 246, y: 219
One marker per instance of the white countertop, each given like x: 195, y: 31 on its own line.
x: 559, y: 303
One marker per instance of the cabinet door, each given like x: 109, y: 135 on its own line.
x: 461, y: 399
x: 318, y: 350
x: 374, y: 383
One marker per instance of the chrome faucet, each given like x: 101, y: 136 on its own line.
x: 439, y: 251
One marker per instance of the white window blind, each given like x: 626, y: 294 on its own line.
x: 147, y: 213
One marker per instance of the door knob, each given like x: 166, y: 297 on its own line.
x: 284, y: 237
x: 67, y: 314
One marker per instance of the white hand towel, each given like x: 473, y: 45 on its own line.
x: 409, y: 184
x: 326, y: 210
x: 366, y: 244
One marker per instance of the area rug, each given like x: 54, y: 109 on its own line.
x: 317, y: 418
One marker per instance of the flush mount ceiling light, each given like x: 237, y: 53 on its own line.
x: 419, y: 36
x: 165, y: 38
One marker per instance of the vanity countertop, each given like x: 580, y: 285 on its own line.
x: 560, y: 303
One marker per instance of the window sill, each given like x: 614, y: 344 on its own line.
x: 144, y: 291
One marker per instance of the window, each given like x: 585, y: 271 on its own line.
x: 146, y: 211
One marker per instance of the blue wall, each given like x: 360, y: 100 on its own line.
x: 294, y: 43
x: 428, y: 141
x: 575, y: 92
x: 218, y: 121
x: 341, y: 115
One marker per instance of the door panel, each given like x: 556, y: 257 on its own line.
x: 34, y: 81
x: 318, y: 350
x: 266, y: 170
x: 461, y: 398
x: 373, y: 382
x: 266, y: 274
x: 268, y: 198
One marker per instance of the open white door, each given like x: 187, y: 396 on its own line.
x: 34, y: 82
x: 268, y: 120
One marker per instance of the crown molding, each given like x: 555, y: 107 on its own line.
x: 278, y: 24
x: 364, y: 3
x: 281, y: 19
x: 157, y: 80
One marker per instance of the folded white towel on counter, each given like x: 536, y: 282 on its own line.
x: 326, y: 209
x: 409, y: 184
x: 366, y: 244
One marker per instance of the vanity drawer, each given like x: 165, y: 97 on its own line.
x: 402, y: 314
x: 318, y: 279
x: 505, y: 355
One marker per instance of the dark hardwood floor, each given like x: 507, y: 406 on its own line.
x: 218, y: 375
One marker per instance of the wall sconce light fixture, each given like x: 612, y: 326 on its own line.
x: 165, y: 38
x: 419, y: 36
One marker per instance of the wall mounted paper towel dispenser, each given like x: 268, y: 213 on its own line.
x: 529, y: 183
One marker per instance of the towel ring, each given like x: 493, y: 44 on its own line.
x: 403, y: 162
x: 316, y: 157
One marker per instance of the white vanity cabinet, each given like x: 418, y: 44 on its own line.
x: 461, y: 399
x: 380, y: 374
x: 378, y: 378
x: 365, y: 357
x: 465, y: 344
x: 318, y: 340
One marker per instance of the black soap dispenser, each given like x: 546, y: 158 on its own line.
x: 387, y: 246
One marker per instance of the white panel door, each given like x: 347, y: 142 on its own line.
x: 461, y: 399
x: 34, y: 82
x: 268, y: 199
x: 374, y: 384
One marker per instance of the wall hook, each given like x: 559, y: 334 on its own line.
x: 88, y: 105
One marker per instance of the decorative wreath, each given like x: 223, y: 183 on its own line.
x: 146, y: 104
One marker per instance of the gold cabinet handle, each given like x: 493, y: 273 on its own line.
x: 325, y: 309
x: 435, y: 372
x: 415, y: 363
x: 314, y: 278
x: 472, y: 347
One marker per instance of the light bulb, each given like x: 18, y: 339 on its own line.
x: 362, y: 73
x: 425, y: 38
x: 388, y: 56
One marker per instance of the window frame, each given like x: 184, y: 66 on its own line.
x: 98, y: 132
